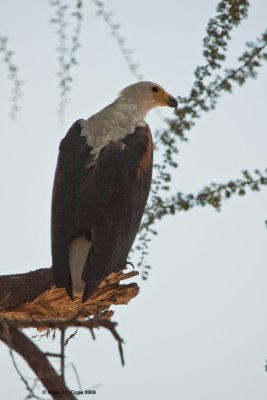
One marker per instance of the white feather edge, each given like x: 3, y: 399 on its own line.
x: 78, y: 251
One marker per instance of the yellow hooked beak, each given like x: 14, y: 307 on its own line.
x: 165, y: 99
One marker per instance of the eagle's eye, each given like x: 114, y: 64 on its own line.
x: 155, y: 89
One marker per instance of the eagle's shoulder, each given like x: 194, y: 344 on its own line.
x: 112, y: 123
x: 73, y: 137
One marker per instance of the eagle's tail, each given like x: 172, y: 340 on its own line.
x: 78, y: 252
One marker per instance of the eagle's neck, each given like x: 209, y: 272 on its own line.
x: 114, y: 122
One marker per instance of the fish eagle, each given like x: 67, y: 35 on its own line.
x: 101, y: 186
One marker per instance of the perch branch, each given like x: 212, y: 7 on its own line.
x: 32, y: 295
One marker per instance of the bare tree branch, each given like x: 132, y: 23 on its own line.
x: 62, y: 353
x: 37, y: 360
x: 32, y: 295
x: 24, y: 380
x: 90, y: 324
x: 24, y: 297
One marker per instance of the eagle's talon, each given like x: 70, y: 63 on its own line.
x: 130, y: 263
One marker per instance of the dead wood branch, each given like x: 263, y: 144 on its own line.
x: 92, y: 323
x: 30, y: 300
x: 32, y: 295
x: 37, y: 360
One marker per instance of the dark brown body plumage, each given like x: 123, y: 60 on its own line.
x: 102, y: 199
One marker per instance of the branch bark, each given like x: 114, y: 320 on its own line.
x: 32, y: 295
x: 30, y: 300
x: 18, y: 341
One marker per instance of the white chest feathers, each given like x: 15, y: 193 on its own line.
x: 114, y: 122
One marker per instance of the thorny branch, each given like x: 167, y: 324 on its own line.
x: 13, y: 75
x: 68, y: 45
x: 121, y: 41
x: 204, y: 95
x: 213, y: 195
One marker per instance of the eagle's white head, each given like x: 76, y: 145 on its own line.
x: 125, y: 114
x: 146, y: 95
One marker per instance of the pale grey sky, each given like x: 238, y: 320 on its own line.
x: 198, y: 329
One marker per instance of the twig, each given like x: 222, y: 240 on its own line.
x: 115, y: 32
x: 36, y: 359
x: 90, y: 324
x: 48, y: 354
x: 24, y: 380
x: 62, y: 352
x: 76, y: 375
x: 67, y: 52
x: 13, y: 75
x: 71, y: 336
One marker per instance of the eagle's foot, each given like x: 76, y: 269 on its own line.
x: 129, y: 263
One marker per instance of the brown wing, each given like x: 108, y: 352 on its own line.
x: 121, y: 179
x: 74, y: 156
x: 104, y: 203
